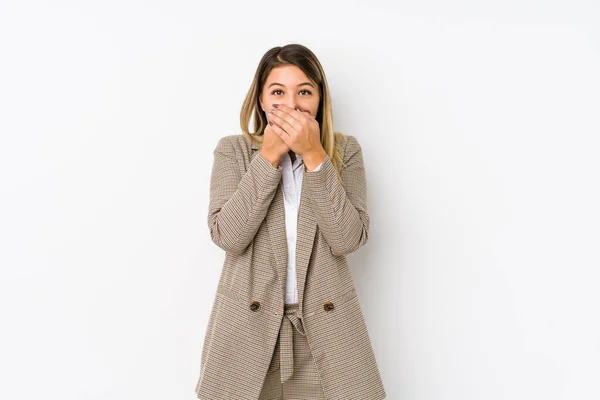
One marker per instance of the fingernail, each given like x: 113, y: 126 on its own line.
x: 276, y: 105
x: 271, y: 123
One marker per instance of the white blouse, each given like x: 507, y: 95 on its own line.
x: 292, y: 184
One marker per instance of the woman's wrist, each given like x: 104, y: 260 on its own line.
x: 274, y: 160
x: 314, y: 159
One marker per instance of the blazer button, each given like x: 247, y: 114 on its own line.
x: 255, y: 306
x: 328, y: 306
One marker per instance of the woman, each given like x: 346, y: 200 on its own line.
x: 287, y: 203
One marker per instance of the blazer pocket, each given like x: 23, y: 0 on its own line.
x: 230, y: 294
x: 346, y: 297
x: 338, y: 302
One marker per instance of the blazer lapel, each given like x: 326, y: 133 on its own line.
x: 276, y: 227
x: 307, y: 226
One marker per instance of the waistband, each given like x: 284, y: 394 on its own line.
x: 292, y: 306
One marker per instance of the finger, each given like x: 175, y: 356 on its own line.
x: 304, y: 112
x: 283, y: 136
x: 311, y: 119
x: 277, y: 128
x: 296, y: 112
x: 293, y: 113
x: 285, y: 122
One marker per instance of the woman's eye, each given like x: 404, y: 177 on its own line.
x: 304, y: 90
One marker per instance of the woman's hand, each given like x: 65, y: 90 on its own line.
x: 273, y: 147
x: 298, y: 129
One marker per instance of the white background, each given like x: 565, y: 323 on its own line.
x: 479, y: 123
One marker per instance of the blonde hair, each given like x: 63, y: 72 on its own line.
x: 305, y: 59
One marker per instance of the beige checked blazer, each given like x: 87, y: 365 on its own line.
x: 247, y: 219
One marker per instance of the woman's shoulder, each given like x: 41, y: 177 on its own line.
x: 344, y: 139
x: 348, y: 145
x: 234, y: 144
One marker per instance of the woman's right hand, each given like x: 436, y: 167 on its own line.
x: 273, y: 147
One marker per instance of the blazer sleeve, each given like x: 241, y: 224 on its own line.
x: 239, y: 202
x: 341, y: 210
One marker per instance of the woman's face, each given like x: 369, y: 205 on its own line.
x: 289, y: 85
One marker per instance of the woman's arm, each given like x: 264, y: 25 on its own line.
x: 341, y: 209
x: 239, y: 203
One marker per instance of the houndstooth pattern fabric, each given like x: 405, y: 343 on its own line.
x: 246, y: 219
x: 286, y: 335
x: 303, y: 383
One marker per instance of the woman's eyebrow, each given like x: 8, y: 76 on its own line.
x: 303, y: 83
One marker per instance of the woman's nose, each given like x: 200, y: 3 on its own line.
x: 294, y: 106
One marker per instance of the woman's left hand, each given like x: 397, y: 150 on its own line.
x: 298, y: 129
